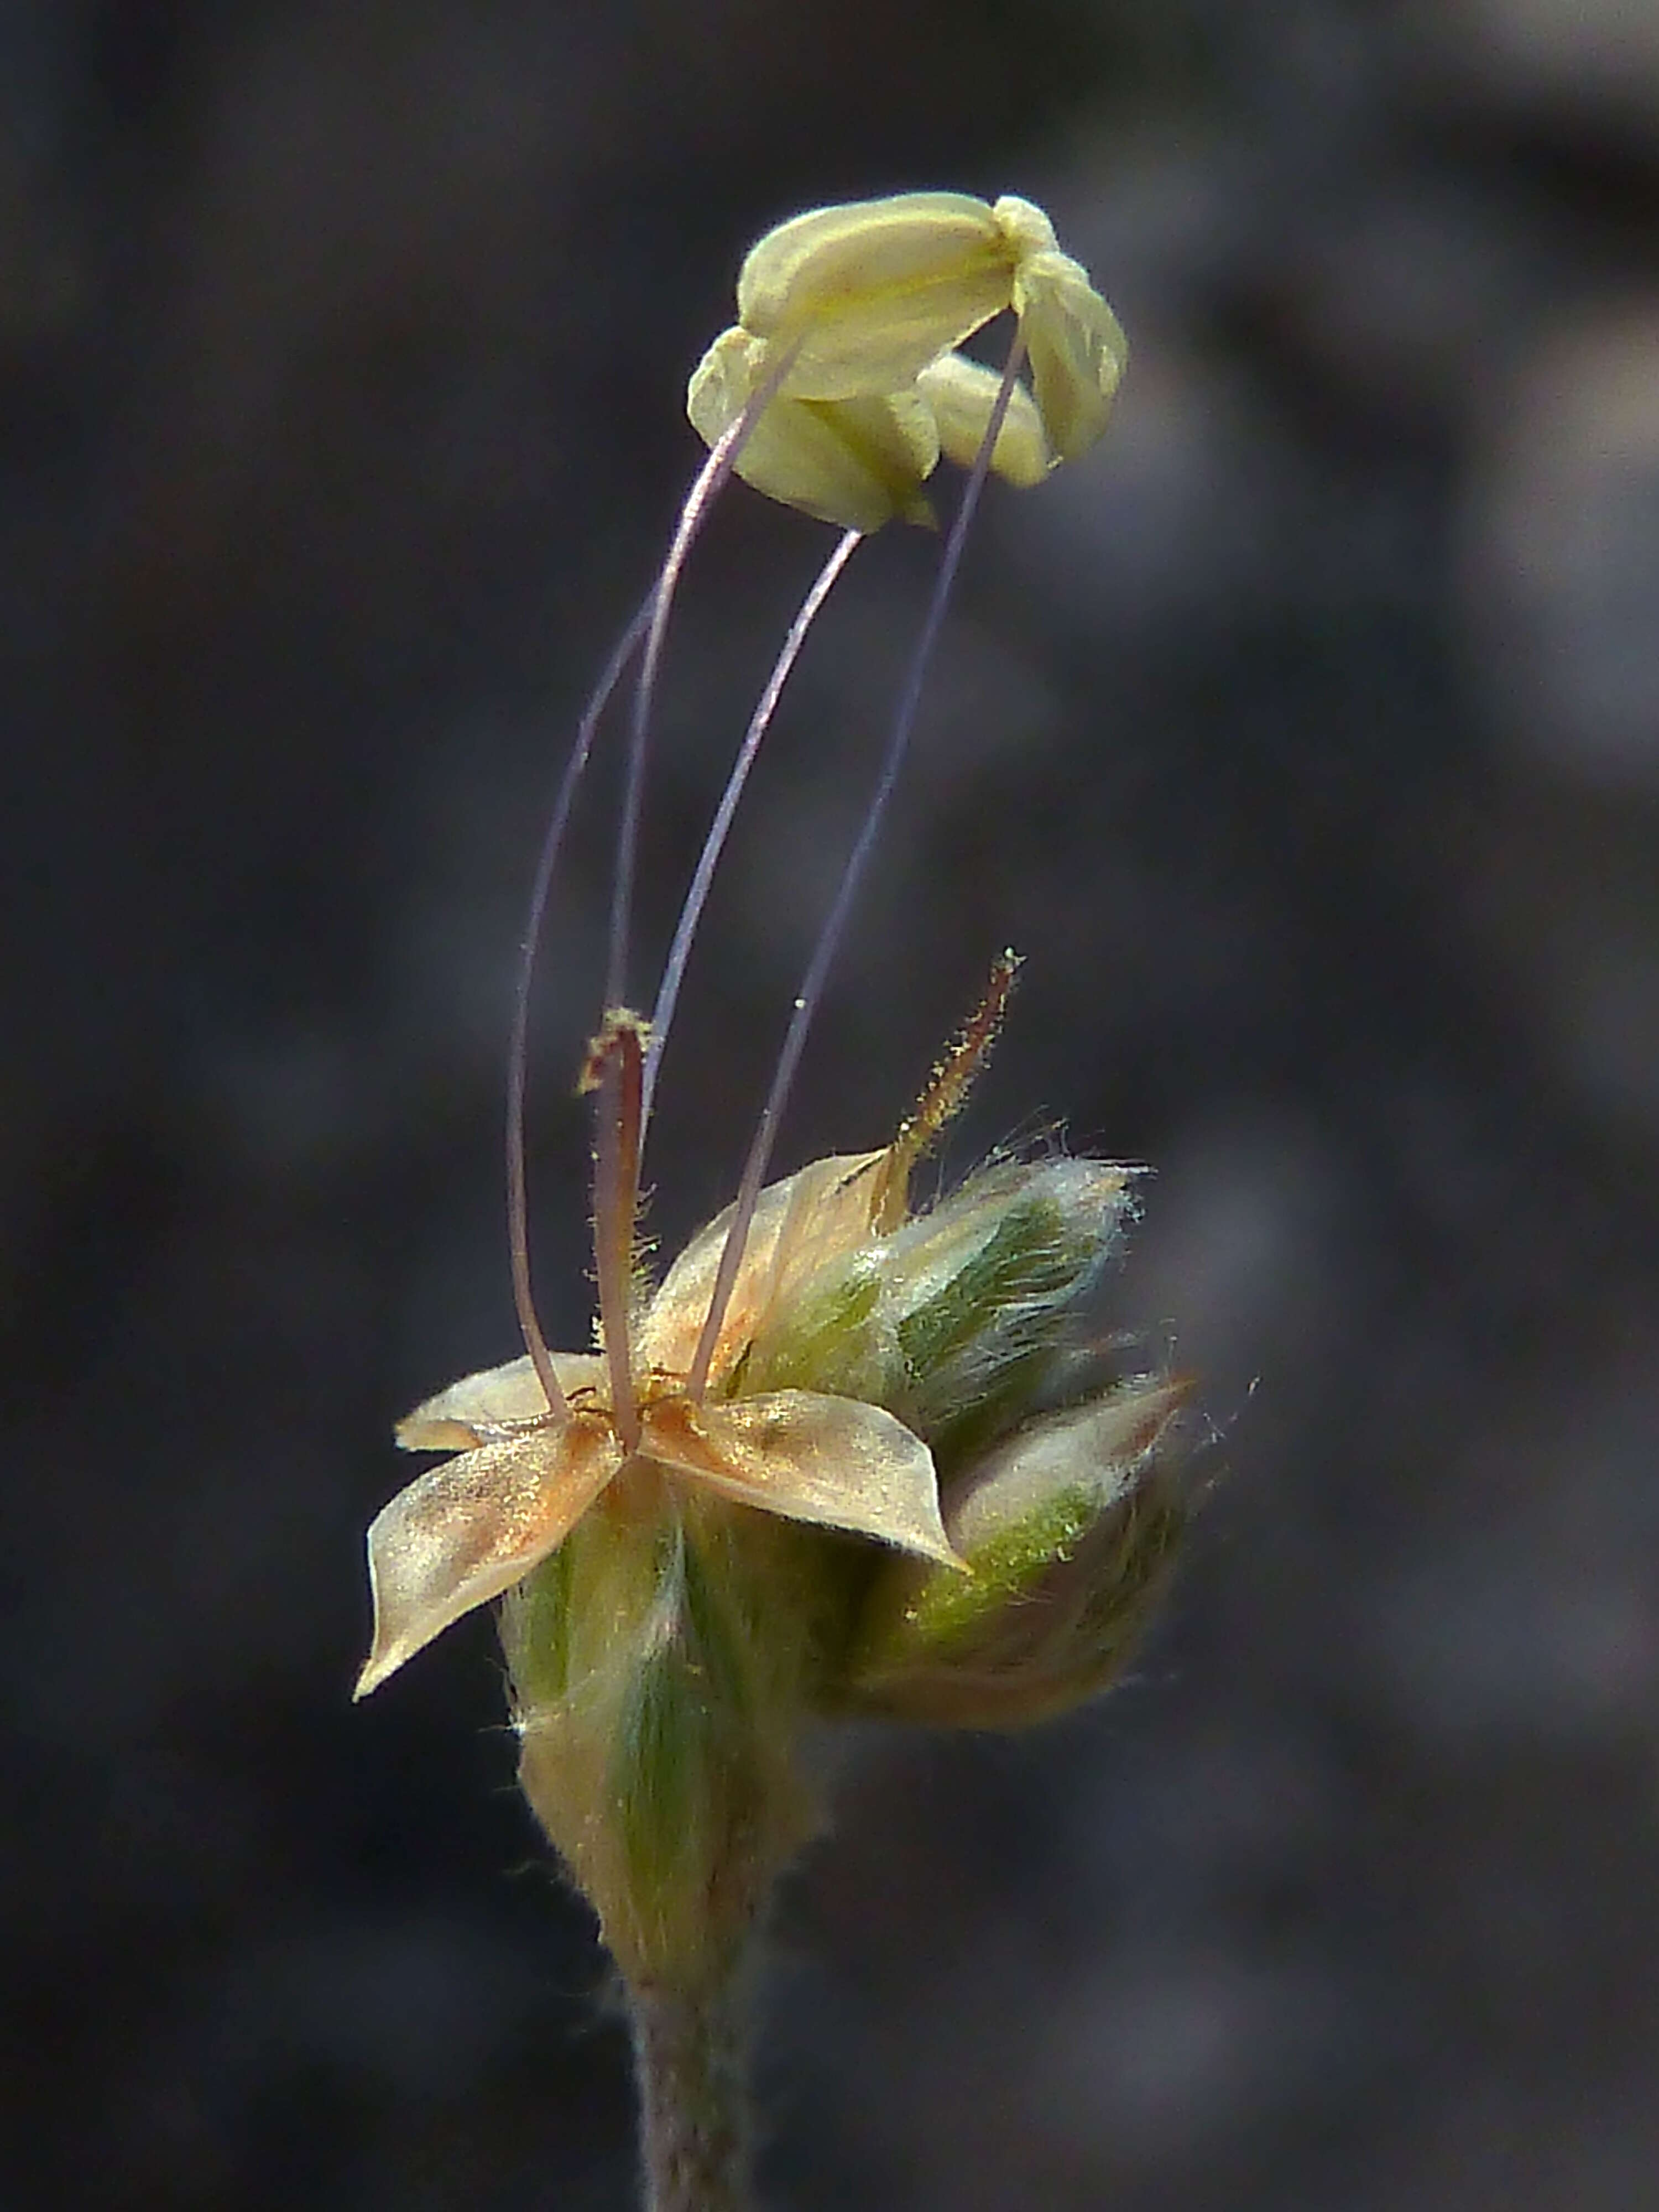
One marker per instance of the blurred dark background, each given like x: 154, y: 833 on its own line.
x: 1304, y: 739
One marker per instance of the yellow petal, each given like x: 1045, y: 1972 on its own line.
x: 477, y: 1408
x: 962, y: 393
x: 1077, y: 349
x: 832, y: 1461
x: 870, y: 291
x: 462, y: 1532
x: 854, y: 462
x: 808, y: 1221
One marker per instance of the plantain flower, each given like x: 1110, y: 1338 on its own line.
x: 860, y: 307
x: 869, y: 1504
x: 522, y: 1476
x: 849, y: 1455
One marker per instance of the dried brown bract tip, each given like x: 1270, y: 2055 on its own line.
x: 946, y: 1093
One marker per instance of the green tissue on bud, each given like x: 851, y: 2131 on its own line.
x: 1069, y: 1528
x: 955, y: 1321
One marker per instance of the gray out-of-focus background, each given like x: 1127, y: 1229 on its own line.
x: 1306, y: 739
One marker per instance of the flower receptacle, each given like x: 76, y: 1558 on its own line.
x: 658, y: 1662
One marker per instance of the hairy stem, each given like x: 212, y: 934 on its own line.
x: 690, y: 2057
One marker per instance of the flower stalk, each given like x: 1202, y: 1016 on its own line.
x: 691, y: 2053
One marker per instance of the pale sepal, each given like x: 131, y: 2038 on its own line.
x: 835, y: 1462
x: 1099, y: 1449
x: 462, y: 1532
x: 807, y: 1222
x: 480, y: 1407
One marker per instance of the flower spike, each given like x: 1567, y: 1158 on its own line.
x: 847, y: 1453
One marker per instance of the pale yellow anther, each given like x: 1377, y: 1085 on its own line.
x: 1024, y: 226
x: 857, y: 462
x: 868, y: 302
x: 962, y: 394
x: 1076, y: 347
x: 871, y: 291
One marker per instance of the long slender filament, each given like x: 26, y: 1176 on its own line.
x: 650, y: 623
x: 830, y: 937
x: 685, y: 930
x: 517, y: 1057
x: 722, y: 459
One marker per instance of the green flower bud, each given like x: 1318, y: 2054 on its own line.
x: 1069, y: 1529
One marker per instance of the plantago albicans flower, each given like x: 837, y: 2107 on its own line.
x: 845, y: 1455
x: 525, y: 1476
